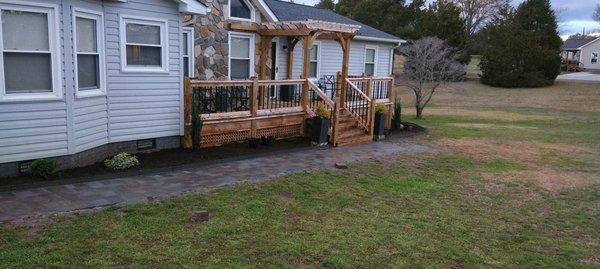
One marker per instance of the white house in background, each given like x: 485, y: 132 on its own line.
x: 584, y: 50
x: 81, y: 80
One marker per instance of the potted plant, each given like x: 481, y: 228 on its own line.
x: 380, y: 119
x: 321, y: 123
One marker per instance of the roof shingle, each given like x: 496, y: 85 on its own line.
x: 576, y: 43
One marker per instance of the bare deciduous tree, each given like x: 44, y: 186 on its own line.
x: 477, y: 12
x: 429, y: 64
x: 596, y: 15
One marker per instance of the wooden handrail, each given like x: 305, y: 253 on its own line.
x: 320, y: 93
x: 356, y: 89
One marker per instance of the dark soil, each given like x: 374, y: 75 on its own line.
x: 160, y: 161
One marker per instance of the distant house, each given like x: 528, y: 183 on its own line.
x: 81, y: 80
x: 581, y: 53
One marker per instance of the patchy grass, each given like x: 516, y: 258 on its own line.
x: 516, y: 185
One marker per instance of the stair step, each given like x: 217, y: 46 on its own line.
x: 352, y: 133
x: 353, y: 141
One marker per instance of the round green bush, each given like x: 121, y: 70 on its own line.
x: 122, y: 161
x: 43, y: 168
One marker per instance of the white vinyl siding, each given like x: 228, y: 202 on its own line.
x: 330, y: 61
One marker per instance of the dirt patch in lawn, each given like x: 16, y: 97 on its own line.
x: 521, y: 151
x: 491, y: 126
x: 483, y: 114
x: 549, y: 179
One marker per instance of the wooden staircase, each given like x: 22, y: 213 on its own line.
x: 349, y: 132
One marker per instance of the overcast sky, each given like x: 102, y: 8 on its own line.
x: 573, y: 15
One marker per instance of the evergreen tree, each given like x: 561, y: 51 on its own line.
x: 326, y: 4
x: 442, y: 19
x: 523, y: 50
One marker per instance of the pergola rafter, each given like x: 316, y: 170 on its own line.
x: 305, y: 32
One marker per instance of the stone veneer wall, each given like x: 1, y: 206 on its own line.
x: 211, y: 46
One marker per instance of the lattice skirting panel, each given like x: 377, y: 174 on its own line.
x: 224, y: 138
x: 280, y: 131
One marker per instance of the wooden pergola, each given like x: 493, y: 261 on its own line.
x: 305, y: 32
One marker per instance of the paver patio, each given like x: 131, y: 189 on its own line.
x: 138, y: 189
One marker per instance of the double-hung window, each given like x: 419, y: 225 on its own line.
x: 89, y: 53
x: 187, y: 45
x: 314, y: 61
x: 241, y: 56
x: 241, y: 10
x: 29, y: 58
x: 370, y: 59
x: 144, y: 45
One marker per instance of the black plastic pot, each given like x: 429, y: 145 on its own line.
x: 380, y: 120
x: 320, y: 130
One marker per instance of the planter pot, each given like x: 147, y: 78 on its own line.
x: 320, y: 130
x: 379, y: 131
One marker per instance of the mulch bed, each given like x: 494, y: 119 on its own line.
x: 155, y: 162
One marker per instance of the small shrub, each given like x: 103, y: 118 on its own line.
x: 43, y: 168
x: 322, y: 112
x: 397, y: 118
x: 380, y: 110
x: 122, y: 161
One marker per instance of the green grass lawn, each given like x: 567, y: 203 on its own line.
x: 456, y: 208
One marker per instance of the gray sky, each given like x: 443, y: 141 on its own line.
x: 573, y: 15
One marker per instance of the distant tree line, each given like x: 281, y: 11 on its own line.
x: 519, y: 46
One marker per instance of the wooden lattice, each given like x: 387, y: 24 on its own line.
x: 280, y: 131
x: 224, y: 138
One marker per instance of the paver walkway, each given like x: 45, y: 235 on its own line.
x: 138, y: 189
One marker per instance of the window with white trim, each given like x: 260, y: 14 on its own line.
x: 594, y: 57
x: 29, y: 63
x: 314, y: 61
x: 241, y: 10
x: 188, y: 51
x: 144, y: 45
x: 241, y: 60
x: 89, y: 53
x: 370, y: 58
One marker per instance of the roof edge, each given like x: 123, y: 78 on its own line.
x: 378, y: 39
x: 192, y: 7
x: 266, y: 10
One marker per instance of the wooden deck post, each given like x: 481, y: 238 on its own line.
x: 254, y: 95
x: 369, y: 93
x: 307, y: 43
x: 335, y: 120
x: 263, y: 50
x: 187, y: 114
x: 345, y: 42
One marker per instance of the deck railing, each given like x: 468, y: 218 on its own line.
x: 318, y: 98
x: 359, y: 105
x: 277, y: 94
x: 379, y: 89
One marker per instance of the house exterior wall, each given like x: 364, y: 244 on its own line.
x: 135, y: 106
x: 586, y: 55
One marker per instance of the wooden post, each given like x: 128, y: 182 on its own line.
x: 254, y: 95
x: 187, y: 114
x: 345, y: 63
x: 335, y: 119
x: 263, y: 50
x: 290, y: 65
x: 307, y: 42
x: 369, y: 93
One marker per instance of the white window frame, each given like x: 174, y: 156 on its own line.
x: 54, y: 45
x: 99, y: 18
x: 391, y: 67
x: 318, y: 45
x: 368, y: 47
x: 252, y: 45
x: 250, y: 6
x: 164, y: 43
x: 191, y: 63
